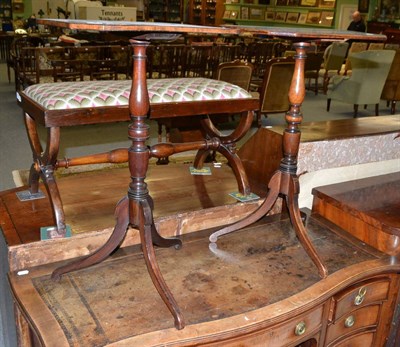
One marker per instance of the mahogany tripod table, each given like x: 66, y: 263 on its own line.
x: 136, y: 208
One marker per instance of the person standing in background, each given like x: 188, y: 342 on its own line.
x: 357, y: 24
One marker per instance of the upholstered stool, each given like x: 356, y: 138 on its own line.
x: 56, y: 105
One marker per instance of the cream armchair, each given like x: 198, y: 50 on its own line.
x: 364, y: 86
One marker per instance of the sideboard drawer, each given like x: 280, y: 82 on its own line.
x: 365, y: 319
x: 364, y: 294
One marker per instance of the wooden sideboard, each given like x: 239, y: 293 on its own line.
x: 323, y: 145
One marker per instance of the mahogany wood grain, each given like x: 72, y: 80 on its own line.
x: 367, y: 208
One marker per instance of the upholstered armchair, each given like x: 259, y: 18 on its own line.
x: 364, y: 86
x: 391, y: 89
x: 334, y: 56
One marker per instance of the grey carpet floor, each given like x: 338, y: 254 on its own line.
x: 15, y: 152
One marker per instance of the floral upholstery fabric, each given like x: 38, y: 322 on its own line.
x: 68, y: 95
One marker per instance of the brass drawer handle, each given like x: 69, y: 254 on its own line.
x: 349, y: 322
x: 300, y: 329
x: 358, y: 300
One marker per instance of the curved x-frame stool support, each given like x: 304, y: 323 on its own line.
x: 285, y: 181
x: 227, y: 148
x: 44, y: 163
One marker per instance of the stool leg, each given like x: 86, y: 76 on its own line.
x: 37, y: 150
x: 43, y: 166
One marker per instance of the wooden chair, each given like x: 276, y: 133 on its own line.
x: 391, y: 89
x: 67, y: 70
x: 105, y: 69
x: 354, y: 48
x: 334, y: 56
x: 197, y: 62
x: 14, y: 62
x: 166, y: 60
x: 123, y: 55
x: 275, y: 87
x: 259, y: 53
x: 26, y: 72
x: 365, y: 85
x: 376, y: 46
x: 236, y: 72
x: 311, y: 69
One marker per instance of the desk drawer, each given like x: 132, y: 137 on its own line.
x: 364, y: 294
x: 293, y: 331
x: 364, y: 319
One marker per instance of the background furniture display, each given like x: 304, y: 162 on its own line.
x: 391, y: 89
x: 354, y: 48
x: 275, y: 87
x: 165, y: 10
x: 334, y: 55
x: 205, y: 12
x: 6, y: 15
x: 312, y: 67
x: 281, y: 13
x: 364, y: 86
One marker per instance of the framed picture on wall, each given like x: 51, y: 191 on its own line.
x: 281, y: 2
x: 313, y: 17
x: 18, y: 7
x: 227, y: 14
x: 327, y: 3
x: 326, y: 18
x: 269, y: 15
x: 234, y: 15
x: 244, y: 13
x: 302, y: 18
x: 363, y: 6
x: 310, y: 3
x: 256, y: 13
x: 280, y: 16
x: 292, y: 17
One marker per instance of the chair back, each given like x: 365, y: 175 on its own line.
x: 354, y: 48
x: 376, y: 45
x: 235, y: 72
x: 276, y: 83
x: 369, y: 73
x: 334, y: 56
x: 391, y: 89
x: 312, y: 66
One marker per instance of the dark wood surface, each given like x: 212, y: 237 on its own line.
x: 367, y: 208
x: 345, y: 128
x: 294, y: 33
x: 91, y: 207
x: 252, y: 289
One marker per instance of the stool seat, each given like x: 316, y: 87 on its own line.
x: 85, y: 94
